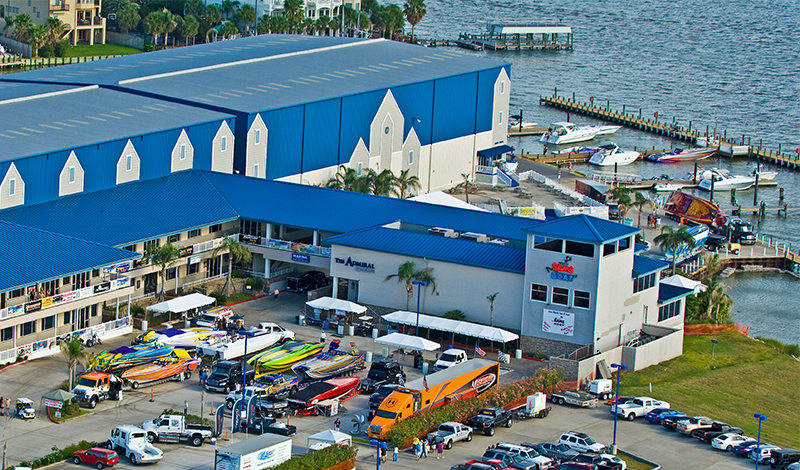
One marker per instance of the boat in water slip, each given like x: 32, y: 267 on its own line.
x: 567, y: 132
x: 681, y: 155
x: 724, y: 181
x: 611, y: 154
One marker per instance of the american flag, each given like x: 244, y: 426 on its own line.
x: 501, y: 357
x: 425, y: 383
x: 480, y: 351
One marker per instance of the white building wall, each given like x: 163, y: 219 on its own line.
x: 257, y: 149
x: 411, y: 145
x: 620, y: 312
x: 183, y: 147
x: 124, y: 173
x: 7, y: 199
x: 448, y: 160
x: 65, y: 186
x: 500, y: 109
x: 222, y: 155
x: 386, y: 133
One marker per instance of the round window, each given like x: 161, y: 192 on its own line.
x: 386, y: 130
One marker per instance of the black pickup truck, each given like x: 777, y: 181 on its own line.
x: 382, y: 373
x: 490, y: 418
x: 266, y: 424
x: 708, y: 433
x: 226, y: 375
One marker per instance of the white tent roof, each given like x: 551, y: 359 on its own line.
x: 334, y: 437
x: 442, y: 199
x: 182, y: 304
x: 680, y: 281
x: 400, y: 340
x: 453, y: 326
x: 329, y: 303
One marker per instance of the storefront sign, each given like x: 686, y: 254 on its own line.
x: 100, y: 288
x: 52, y: 403
x: 301, y: 258
x: 194, y: 259
x: 187, y: 251
x: 562, y: 272
x: 559, y: 323
x: 357, y: 265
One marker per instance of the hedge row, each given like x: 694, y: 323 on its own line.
x: 419, y: 424
x: 58, y: 455
x: 325, y: 458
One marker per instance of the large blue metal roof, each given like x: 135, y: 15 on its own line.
x: 584, y: 228
x: 433, y: 247
x: 12, y: 90
x: 30, y: 256
x: 644, y: 265
x: 68, y: 119
x: 111, y: 71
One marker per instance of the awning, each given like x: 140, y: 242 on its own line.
x: 330, y: 436
x: 182, y: 304
x: 329, y: 303
x: 495, y: 151
x: 59, y: 395
x: 399, y: 340
x: 680, y: 281
x: 453, y: 326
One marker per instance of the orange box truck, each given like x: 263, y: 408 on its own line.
x: 464, y: 380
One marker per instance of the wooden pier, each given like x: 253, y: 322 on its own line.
x: 512, y: 37
x: 674, y: 131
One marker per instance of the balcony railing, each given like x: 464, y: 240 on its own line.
x: 294, y: 247
x: 66, y: 297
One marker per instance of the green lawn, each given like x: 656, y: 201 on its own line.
x: 634, y: 464
x: 100, y: 49
x: 745, y: 377
x: 238, y: 297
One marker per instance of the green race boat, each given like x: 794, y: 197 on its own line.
x: 282, y: 358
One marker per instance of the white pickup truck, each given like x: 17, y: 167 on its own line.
x: 449, y: 433
x: 173, y: 428
x: 131, y: 442
x: 637, y: 407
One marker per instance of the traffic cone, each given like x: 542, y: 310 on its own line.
x: 226, y: 434
x: 151, y: 396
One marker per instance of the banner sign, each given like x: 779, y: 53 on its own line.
x: 33, y: 306
x: 100, y: 288
x: 52, y: 403
x: 236, y: 414
x: 301, y: 258
x: 58, y: 299
x: 559, y: 323
x: 219, y: 418
x: 194, y: 259
x: 251, y: 410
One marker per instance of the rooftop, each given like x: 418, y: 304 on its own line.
x: 669, y: 293
x: 643, y: 265
x: 11, y: 90
x: 584, y: 228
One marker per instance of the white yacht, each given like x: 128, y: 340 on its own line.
x: 611, y: 154
x: 724, y: 181
x: 567, y: 132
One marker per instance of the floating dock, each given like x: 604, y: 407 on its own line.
x: 519, y: 37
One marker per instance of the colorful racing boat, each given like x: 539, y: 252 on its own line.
x: 283, y: 357
x: 332, y: 363
x: 683, y: 206
x: 188, y: 338
x: 176, y: 367
x: 339, y: 389
x: 126, y: 357
x: 681, y: 155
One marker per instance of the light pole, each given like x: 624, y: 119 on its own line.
x: 378, y: 446
x: 620, y: 368
x: 713, y: 346
x: 419, y: 285
x: 761, y: 418
x: 246, y: 334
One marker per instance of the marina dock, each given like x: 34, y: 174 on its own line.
x: 675, y: 131
x: 511, y: 37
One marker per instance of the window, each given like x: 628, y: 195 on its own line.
x: 12, y: 186
x: 670, y: 310
x: 580, y: 249
x: 130, y: 248
x: 128, y: 162
x: 27, y: 328
x: 502, y: 87
x: 72, y: 174
x: 172, y: 273
x: 16, y: 293
x: 149, y: 245
x: 541, y: 243
x: 7, y: 334
x: 500, y: 117
x: 539, y: 292
x: 95, y: 272
x: 94, y: 310
x: 223, y: 143
x: 258, y: 136
x: 609, y: 249
x: 560, y: 296
x: 193, y: 233
x: 174, y: 238
x: 255, y: 170
x: 192, y: 268
x: 67, y: 318
x: 410, y: 157
x: 66, y: 280
x: 48, y: 322
x: 215, y: 228
x: 624, y: 244
x: 358, y: 170
x: 580, y: 299
x: 644, y: 282
x: 183, y: 151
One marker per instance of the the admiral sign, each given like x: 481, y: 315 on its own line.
x: 484, y: 382
x: 357, y: 265
x: 559, y: 323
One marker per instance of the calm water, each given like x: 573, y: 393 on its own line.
x: 725, y: 64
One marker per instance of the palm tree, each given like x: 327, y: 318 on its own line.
x: 466, y: 185
x: 716, y: 299
x: 279, y: 24
x: 622, y: 195
x: 712, y: 264
x: 380, y: 184
x: 55, y: 30
x: 394, y: 19
x: 164, y: 257
x: 229, y: 7
x: 414, y: 11
x: 347, y: 179
x: 639, y: 202
x: 228, y: 29
x: 72, y: 350
x: 323, y: 23
x: 236, y: 251
x: 154, y: 23
x: 405, y: 184
x: 9, y: 27
x: 407, y: 273
x: 491, y: 298
x: 672, y: 239
x: 128, y: 17
x: 170, y: 23
x: 188, y: 28
x: 22, y: 27
x: 247, y: 14
x: 38, y: 38
x: 193, y: 8
x: 294, y: 12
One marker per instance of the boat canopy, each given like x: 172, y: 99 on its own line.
x: 495, y: 151
x: 452, y: 326
x: 399, y: 340
x: 329, y: 303
x: 182, y: 304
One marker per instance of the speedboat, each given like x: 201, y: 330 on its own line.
x: 610, y: 154
x: 567, y: 132
x: 188, y: 338
x: 330, y: 364
x: 666, y: 187
x: 258, y: 338
x: 577, y: 150
x: 681, y: 155
x: 283, y: 357
x: 125, y: 357
x: 339, y: 389
x: 722, y: 180
x: 699, y: 233
x: 178, y: 367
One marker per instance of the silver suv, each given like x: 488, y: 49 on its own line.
x: 581, y: 442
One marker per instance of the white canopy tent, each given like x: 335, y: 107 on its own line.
x: 182, y: 304
x: 329, y: 303
x: 329, y: 436
x: 452, y: 326
x: 415, y: 343
x: 680, y: 281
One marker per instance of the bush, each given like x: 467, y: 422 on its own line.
x: 149, y: 47
x: 58, y: 455
x: 46, y: 51
x: 455, y: 315
x: 220, y: 297
x: 137, y: 311
x: 62, y: 48
x: 238, y: 274
x: 459, y: 411
x: 327, y: 457
x: 255, y: 283
x: 790, y: 349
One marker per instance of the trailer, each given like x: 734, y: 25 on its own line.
x: 266, y: 450
x: 575, y: 397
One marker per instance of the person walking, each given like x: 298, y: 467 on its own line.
x: 417, y: 447
x: 322, y: 337
x: 337, y: 424
x: 185, y: 407
x: 394, y: 454
x: 439, y: 450
x: 275, y: 294
x: 425, y: 447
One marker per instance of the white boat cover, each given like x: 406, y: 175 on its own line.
x: 329, y: 303
x: 452, y: 326
x: 399, y: 340
x: 329, y: 436
x: 442, y: 199
x: 680, y: 281
x: 182, y: 304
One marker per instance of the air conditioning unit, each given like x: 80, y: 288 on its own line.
x: 476, y: 237
x: 498, y: 241
x: 444, y: 232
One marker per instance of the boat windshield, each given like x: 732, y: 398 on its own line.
x: 386, y: 414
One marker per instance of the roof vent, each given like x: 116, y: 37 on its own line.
x: 498, y: 241
x: 444, y: 232
x: 476, y: 237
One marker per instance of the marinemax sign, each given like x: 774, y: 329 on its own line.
x: 357, y: 265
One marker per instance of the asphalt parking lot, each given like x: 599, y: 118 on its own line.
x: 35, y: 438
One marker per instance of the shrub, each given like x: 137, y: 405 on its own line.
x: 62, y: 48
x: 58, y: 455
x: 255, y: 283
x: 327, y: 457
x: 137, y: 311
x: 455, y: 315
x: 149, y: 47
x: 219, y: 296
x: 238, y: 274
x: 46, y: 51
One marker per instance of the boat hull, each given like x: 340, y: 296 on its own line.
x: 688, y: 155
x: 619, y: 158
x: 341, y: 388
x: 328, y: 365
x: 173, y: 369
x: 692, y: 208
x: 282, y: 358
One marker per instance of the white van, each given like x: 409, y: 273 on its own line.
x: 210, y: 318
x: 450, y: 358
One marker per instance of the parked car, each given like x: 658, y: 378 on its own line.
x: 782, y: 458
x: 762, y: 452
x: 708, y: 433
x: 613, y: 459
x: 448, y: 433
x: 686, y: 426
x: 542, y: 461
x: 96, y: 456
x: 473, y: 465
x: 659, y: 414
x: 581, y: 442
x: 671, y: 423
x: 309, y: 280
x: 638, y: 407
x: 512, y: 460
x: 131, y: 442
x: 622, y: 400
x: 490, y: 418
x: 793, y: 466
x: 450, y: 358
x: 744, y: 448
x: 554, y: 450
x: 728, y: 440
x: 381, y: 373
x: 577, y: 466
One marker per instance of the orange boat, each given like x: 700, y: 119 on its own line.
x: 176, y: 367
x: 692, y: 208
